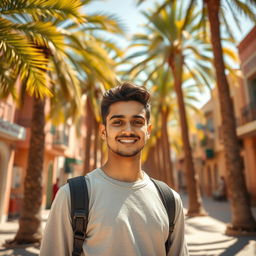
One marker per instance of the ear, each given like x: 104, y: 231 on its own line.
x: 102, y: 130
x: 149, y: 129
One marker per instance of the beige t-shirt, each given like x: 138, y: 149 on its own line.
x: 125, y: 219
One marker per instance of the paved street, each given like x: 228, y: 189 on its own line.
x: 205, y: 235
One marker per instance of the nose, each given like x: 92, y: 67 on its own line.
x: 127, y: 128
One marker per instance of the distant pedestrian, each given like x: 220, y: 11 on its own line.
x: 55, y: 188
x: 220, y: 193
x: 126, y: 214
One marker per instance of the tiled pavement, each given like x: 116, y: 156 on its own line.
x: 205, y: 235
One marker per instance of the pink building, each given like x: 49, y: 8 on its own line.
x: 63, y: 155
x: 10, y: 135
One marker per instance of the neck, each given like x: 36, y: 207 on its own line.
x: 126, y: 169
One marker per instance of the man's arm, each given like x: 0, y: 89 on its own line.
x: 58, y: 234
x: 179, y: 245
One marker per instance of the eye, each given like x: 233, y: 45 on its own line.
x: 117, y: 122
x: 138, y: 122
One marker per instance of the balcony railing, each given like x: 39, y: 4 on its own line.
x: 60, y: 138
x: 248, y: 113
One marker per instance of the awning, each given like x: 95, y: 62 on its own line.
x: 68, y: 165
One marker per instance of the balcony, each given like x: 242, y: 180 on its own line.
x: 248, y: 113
x: 60, y: 139
x: 247, y: 123
x: 11, y: 131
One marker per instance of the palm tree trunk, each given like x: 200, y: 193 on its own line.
x: 88, y: 139
x: 30, y: 219
x: 163, y: 158
x: 95, y: 144
x: 155, y: 159
x: 242, y: 218
x: 148, y: 165
x: 166, y: 149
x: 195, y: 207
x: 160, y: 160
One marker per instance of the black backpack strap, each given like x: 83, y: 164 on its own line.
x: 168, y: 200
x: 79, y: 212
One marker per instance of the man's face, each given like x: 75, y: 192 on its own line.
x: 126, y: 130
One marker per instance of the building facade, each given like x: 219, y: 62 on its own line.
x: 207, y: 142
x: 247, y: 120
x: 10, y: 135
x: 62, y: 157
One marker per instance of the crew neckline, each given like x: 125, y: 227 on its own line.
x: 134, y: 185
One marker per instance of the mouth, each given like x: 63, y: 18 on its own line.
x: 127, y: 140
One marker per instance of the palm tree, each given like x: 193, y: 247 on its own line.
x: 161, y: 84
x: 32, y: 21
x: 165, y: 114
x: 242, y: 218
x: 97, y: 71
x: 172, y: 37
x: 44, y: 26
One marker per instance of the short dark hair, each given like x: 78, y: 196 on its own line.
x: 126, y: 91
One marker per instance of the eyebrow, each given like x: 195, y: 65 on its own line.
x: 122, y: 116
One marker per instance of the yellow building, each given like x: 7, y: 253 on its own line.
x: 246, y: 129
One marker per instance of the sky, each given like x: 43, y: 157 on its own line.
x: 126, y: 10
x: 130, y: 15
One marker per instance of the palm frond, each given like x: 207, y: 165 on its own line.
x: 38, y: 9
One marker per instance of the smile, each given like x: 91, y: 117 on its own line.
x: 127, y: 141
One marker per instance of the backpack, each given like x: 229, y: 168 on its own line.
x: 80, y: 210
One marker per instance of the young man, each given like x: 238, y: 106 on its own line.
x: 126, y: 214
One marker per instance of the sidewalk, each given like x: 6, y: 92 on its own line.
x: 205, y: 235
x: 8, y: 231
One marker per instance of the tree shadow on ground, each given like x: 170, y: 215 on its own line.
x: 237, y: 246
x: 199, y: 249
x: 17, y: 252
x: 212, y: 242
x: 202, y: 227
x: 212, y: 247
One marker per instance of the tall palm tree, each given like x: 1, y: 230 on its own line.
x: 161, y: 84
x: 97, y: 71
x: 242, y: 218
x: 44, y: 26
x: 33, y: 22
x: 164, y: 113
x: 172, y: 37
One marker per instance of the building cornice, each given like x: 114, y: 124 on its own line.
x: 247, y: 40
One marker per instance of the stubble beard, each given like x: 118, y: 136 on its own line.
x: 125, y: 154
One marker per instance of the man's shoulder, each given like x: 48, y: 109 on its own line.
x: 64, y: 190
x: 176, y: 195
